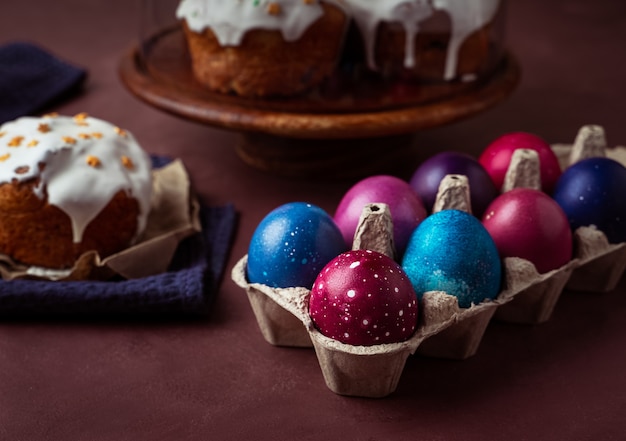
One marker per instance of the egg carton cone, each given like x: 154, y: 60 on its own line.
x: 530, y: 297
x: 464, y: 330
x: 601, y: 265
x: 272, y: 308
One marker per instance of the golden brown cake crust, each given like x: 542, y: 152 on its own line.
x: 264, y: 64
x: 36, y: 233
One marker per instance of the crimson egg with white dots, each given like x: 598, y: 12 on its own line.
x: 364, y: 298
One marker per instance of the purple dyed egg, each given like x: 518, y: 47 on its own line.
x: 405, y: 206
x: 426, y: 179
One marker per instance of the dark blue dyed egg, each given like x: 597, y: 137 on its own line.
x: 451, y: 251
x: 591, y: 192
x: 291, y: 245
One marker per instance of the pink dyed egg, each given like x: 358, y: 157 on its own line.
x: 529, y: 224
x: 363, y: 298
x: 406, y: 207
x: 497, y: 157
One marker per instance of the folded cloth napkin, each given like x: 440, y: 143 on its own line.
x: 188, y: 287
x: 32, y: 78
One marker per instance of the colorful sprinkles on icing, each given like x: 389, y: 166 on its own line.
x: 273, y: 8
x: 93, y: 161
x: 16, y: 141
x: 81, y: 119
x: 119, y: 131
x: 68, y: 140
x: 60, y: 148
x: 127, y: 162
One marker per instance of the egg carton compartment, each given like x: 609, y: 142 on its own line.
x: 444, y: 329
x: 272, y: 308
x: 601, y: 264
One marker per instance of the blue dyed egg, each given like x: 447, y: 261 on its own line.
x: 291, y: 245
x: 591, y: 192
x: 451, y: 251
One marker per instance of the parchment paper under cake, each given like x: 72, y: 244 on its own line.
x: 174, y: 215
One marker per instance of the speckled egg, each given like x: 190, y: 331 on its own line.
x: 427, y: 177
x: 291, y: 245
x: 497, y: 157
x: 405, y: 206
x: 363, y: 298
x: 451, y: 251
x: 591, y: 192
x: 529, y: 224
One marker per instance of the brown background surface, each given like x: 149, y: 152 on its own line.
x: 218, y: 379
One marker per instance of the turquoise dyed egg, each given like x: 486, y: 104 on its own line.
x: 451, y: 251
x: 291, y: 245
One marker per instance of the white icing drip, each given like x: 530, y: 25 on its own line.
x: 368, y: 14
x: 467, y: 17
x: 68, y: 181
x: 231, y: 19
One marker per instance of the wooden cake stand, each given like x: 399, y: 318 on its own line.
x: 346, y: 128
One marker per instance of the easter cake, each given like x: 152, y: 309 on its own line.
x: 261, y: 48
x: 69, y: 185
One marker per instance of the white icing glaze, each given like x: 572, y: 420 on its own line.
x: 368, y: 14
x: 467, y: 17
x: 231, y: 19
x: 65, y: 146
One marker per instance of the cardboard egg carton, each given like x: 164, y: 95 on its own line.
x: 601, y: 265
x: 444, y: 329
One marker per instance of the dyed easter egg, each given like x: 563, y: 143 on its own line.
x: 591, y: 192
x: 291, y: 245
x: 497, y: 157
x: 405, y: 206
x: 363, y: 298
x: 529, y: 224
x: 451, y: 251
x: 427, y: 177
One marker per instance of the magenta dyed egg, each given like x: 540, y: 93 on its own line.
x: 529, y: 224
x: 363, y: 298
x: 497, y: 157
x: 405, y: 206
x: 427, y: 177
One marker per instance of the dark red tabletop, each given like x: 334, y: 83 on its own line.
x: 216, y: 378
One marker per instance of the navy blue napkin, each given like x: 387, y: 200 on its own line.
x: 188, y: 287
x: 31, y: 78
